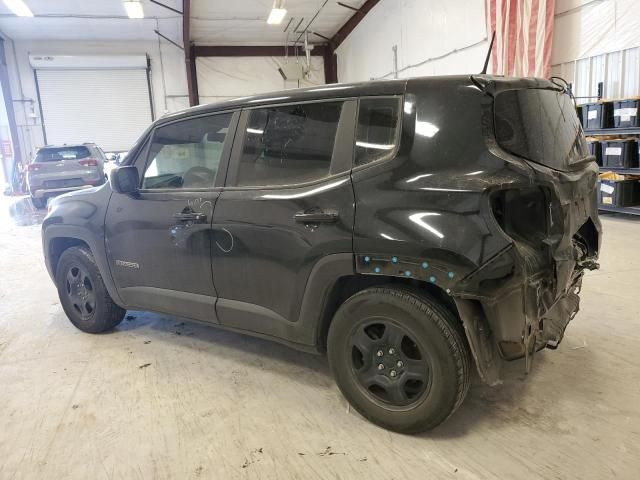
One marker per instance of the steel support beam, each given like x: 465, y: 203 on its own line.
x: 13, y: 128
x: 253, y: 50
x: 189, y: 58
x: 351, y: 24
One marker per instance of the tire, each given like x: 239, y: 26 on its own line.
x: 39, y: 203
x: 411, y: 335
x: 83, y: 294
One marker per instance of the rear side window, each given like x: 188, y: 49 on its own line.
x: 186, y: 154
x: 289, y: 144
x: 378, y: 129
x: 62, y: 153
x: 540, y: 125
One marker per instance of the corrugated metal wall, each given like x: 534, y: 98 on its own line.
x: 619, y: 71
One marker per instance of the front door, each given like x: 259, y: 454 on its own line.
x: 288, y: 202
x: 159, y: 242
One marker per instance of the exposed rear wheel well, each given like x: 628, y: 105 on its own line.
x: 351, y: 284
x: 59, y: 245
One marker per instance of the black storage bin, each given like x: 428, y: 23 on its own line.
x: 624, y: 193
x: 625, y: 113
x: 597, y: 115
x: 620, y: 153
x: 595, y: 149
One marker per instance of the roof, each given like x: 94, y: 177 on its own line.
x: 337, y: 90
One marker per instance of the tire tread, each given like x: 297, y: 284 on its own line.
x: 452, y: 331
x: 113, y: 313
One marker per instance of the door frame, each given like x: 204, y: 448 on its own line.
x: 173, y: 302
x: 304, y: 331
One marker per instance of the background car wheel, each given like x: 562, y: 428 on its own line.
x: 82, y: 293
x: 39, y: 202
x: 399, y: 357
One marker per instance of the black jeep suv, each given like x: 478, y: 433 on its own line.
x: 405, y: 227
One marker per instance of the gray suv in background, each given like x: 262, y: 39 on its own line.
x: 60, y: 169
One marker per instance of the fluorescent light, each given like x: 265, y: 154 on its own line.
x: 134, y: 9
x: 19, y: 8
x: 255, y: 130
x: 417, y: 218
x: 276, y: 16
x: 419, y: 177
x: 308, y: 193
x: 272, y: 99
x: 426, y: 129
x: 376, y: 146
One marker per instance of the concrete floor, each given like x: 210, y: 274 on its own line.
x: 159, y: 398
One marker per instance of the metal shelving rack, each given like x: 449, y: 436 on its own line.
x: 612, y: 131
x: 623, y: 171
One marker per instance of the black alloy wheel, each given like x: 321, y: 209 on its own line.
x: 83, y: 294
x: 388, y: 363
x: 80, y: 291
x: 400, y: 357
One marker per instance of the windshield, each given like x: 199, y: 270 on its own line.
x: 62, y: 153
x: 540, y: 125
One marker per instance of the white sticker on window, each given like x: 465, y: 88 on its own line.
x: 615, y: 151
x: 607, y: 188
x: 592, y: 114
x: 607, y: 200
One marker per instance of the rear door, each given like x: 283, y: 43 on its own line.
x: 288, y: 203
x: 159, y: 242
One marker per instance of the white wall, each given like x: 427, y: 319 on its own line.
x: 586, y: 28
x: 598, y: 41
x: 426, y: 32
x: 220, y: 78
x: 168, y: 78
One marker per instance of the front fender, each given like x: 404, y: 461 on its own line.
x: 79, y: 216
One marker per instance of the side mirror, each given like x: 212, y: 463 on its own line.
x: 125, y: 180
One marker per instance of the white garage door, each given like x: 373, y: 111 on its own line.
x: 108, y: 107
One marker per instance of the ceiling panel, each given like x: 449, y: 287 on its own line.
x: 244, y: 21
x: 213, y: 22
x: 90, y: 20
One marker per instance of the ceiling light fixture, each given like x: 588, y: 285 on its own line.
x: 278, y: 12
x: 133, y: 8
x: 19, y: 8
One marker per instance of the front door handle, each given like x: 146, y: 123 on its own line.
x: 316, y: 216
x: 194, y: 217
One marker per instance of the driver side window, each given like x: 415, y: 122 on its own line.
x: 186, y: 154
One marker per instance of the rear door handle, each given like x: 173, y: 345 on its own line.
x: 316, y: 216
x: 194, y: 217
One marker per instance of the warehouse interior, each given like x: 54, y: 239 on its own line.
x: 160, y: 396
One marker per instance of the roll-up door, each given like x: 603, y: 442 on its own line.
x: 107, y: 106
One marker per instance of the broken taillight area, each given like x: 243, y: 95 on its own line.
x: 534, y: 305
x: 522, y: 213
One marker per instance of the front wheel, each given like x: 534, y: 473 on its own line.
x: 83, y: 294
x: 399, y: 357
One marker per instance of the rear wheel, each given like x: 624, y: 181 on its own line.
x: 83, y: 294
x: 399, y: 358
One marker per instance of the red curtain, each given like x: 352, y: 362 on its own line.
x: 524, y: 32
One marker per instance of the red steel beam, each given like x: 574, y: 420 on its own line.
x: 330, y: 66
x: 351, y: 24
x: 189, y: 58
x: 252, y: 50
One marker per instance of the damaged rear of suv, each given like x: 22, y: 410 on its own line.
x: 523, y: 298
x: 405, y: 228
